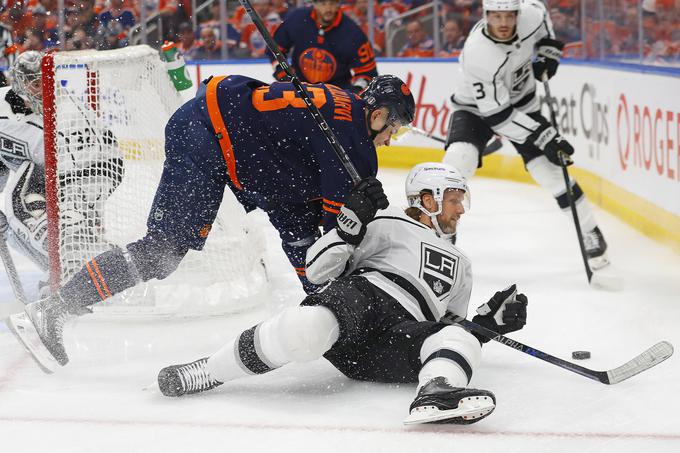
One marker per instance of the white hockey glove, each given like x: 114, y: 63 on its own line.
x: 505, y: 312
x: 360, y: 208
x: 548, y: 54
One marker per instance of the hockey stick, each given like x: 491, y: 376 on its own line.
x: 564, y: 161
x: 313, y: 109
x: 642, y: 362
x: 495, y: 145
x: 10, y: 269
x: 594, y: 279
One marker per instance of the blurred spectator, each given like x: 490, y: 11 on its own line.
x: 172, y: 13
x: 241, y: 19
x: 209, y: 48
x: 468, y: 12
x: 281, y: 8
x: 32, y: 40
x: 118, y: 12
x: 359, y: 14
x: 233, y: 36
x: 418, y: 43
x: 186, y: 41
x: 111, y: 36
x: 8, y: 50
x: 251, y: 37
x: 453, y: 40
x: 18, y: 19
x: 79, y: 40
x: 86, y: 17
x: 565, y: 30
x: 45, y: 28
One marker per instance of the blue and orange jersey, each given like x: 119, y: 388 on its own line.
x: 267, y: 134
x: 338, y: 54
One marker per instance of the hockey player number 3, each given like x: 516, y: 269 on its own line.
x: 266, y: 100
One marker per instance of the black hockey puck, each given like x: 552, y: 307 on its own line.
x: 580, y: 355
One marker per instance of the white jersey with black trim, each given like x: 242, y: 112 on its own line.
x: 498, y: 79
x: 21, y: 132
x: 426, y: 274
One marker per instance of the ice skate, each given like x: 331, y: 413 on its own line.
x: 596, y: 249
x: 40, y: 329
x: 178, y: 380
x: 439, y: 402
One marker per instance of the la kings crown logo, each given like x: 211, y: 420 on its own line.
x: 438, y: 269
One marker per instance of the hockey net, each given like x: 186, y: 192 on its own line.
x: 105, y: 114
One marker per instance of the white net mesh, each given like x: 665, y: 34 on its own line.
x: 111, y: 108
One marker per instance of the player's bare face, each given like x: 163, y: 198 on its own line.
x: 326, y: 10
x: 378, y: 121
x: 452, y: 209
x: 501, y: 24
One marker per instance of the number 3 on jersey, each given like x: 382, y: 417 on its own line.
x: 479, y: 94
x: 268, y: 98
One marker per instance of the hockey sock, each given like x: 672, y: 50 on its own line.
x: 100, y: 278
x: 583, y: 208
x: 452, y: 353
x: 550, y: 177
x: 297, y: 334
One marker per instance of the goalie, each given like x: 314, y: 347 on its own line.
x: 83, y: 188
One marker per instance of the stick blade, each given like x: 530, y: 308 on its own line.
x: 648, y: 359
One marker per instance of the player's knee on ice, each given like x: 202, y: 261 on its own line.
x: 299, y: 334
x: 453, y: 353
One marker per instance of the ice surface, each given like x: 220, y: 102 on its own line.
x: 514, y: 233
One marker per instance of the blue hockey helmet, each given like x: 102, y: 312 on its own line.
x: 391, y: 92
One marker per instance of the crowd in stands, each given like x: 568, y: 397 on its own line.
x: 107, y: 24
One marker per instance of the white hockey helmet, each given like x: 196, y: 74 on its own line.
x: 435, y: 178
x: 26, y: 72
x: 500, y: 5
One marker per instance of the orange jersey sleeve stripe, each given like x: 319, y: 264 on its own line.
x: 94, y: 280
x: 333, y: 203
x: 221, y: 129
x: 101, y: 278
x: 331, y: 210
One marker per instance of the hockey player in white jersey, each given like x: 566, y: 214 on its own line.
x: 22, y: 162
x: 511, y: 47
x: 393, y: 279
x: 22, y: 169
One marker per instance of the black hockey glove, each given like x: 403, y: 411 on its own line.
x: 280, y: 73
x: 555, y: 147
x: 548, y: 55
x: 359, y: 209
x: 505, y: 312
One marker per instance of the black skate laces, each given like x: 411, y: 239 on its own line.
x: 592, y: 240
x: 194, y: 376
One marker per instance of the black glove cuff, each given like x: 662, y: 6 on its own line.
x: 551, y: 42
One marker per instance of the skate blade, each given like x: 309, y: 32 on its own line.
x: 599, y: 262
x: 469, y: 408
x: 23, y: 329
